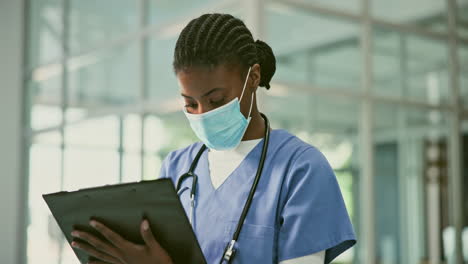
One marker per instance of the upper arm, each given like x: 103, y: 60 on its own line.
x: 164, y: 170
x: 314, y: 217
x: 316, y: 258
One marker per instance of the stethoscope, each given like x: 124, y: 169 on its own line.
x: 229, y: 251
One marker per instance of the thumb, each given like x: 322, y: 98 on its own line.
x: 147, y: 234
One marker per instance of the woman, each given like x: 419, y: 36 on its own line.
x: 297, y: 214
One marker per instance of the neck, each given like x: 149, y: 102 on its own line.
x: 256, y: 128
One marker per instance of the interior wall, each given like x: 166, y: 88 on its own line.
x: 12, y: 247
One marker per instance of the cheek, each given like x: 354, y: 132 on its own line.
x: 232, y: 94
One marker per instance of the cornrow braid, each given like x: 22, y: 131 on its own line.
x: 214, y: 39
x: 220, y: 20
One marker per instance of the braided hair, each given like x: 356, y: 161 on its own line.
x: 213, y: 39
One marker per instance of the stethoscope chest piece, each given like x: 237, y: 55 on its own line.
x: 229, y: 251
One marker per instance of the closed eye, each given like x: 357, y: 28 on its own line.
x: 190, y: 105
x: 217, y: 102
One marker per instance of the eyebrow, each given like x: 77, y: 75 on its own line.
x: 206, y: 94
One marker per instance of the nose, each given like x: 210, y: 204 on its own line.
x: 203, y: 108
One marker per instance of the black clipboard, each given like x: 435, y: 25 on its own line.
x: 122, y: 207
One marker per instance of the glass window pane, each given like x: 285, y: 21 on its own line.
x: 178, y: 131
x: 109, y: 77
x: 45, y: 100
x: 410, y: 67
x: 411, y: 182
x: 429, y: 14
x: 44, y: 32
x: 464, y: 132
x: 132, y: 133
x: 156, y: 135
x: 85, y: 167
x: 152, y: 167
x: 75, y: 114
x: 162, y: 82
x: 316, y: 58
x: 309, y: 111
x: 132, y: 138
x: 94, y: 23
x: 462, y: 8
x: 163, y: 11
x: 100, y: 132
x: 44, y: 236
x: 462, y: 23
x: 166, y: 133
x: 463, y: 31
x: 293, y: 68
x: 49, y: 138
x: 348, y: 5
x: 131, y: 167
x: 463, y: 61
x: 45, y: 116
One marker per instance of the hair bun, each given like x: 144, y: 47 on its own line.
x: 267, y: 63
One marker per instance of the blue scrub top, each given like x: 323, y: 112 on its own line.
x: 296, y: 211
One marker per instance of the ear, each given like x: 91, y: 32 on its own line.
x: 255, y: 77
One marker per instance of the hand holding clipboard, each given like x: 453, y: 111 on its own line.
x: 118, y: 250
x: 118, y: 211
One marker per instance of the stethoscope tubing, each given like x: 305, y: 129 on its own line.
x: 229, y: 251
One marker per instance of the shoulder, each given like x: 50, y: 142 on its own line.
x: 179, y: 160
x: 306, y: 163
x: 183, y: 153
x: 299, y: 151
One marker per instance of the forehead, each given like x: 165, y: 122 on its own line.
x: 200, y: 78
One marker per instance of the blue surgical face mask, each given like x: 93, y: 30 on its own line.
x: 221, y: 128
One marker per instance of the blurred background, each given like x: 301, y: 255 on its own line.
x: 380, y: 87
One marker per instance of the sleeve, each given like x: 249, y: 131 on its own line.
x: 313, y: 217
x: 316, y: 258
x: 164, y: 171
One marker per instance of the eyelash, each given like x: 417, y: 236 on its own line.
x: 190, y: 105
x: 216, y: 103
x: 219, y: 102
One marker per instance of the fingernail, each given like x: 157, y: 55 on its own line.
x: 93, y: 223
x: 75, y: 234
x: 145, y: 225
x: 73, y: 244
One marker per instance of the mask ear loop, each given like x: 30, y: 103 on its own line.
x: 245, y: 83
x: 243, y: 90
x: 251, y: 104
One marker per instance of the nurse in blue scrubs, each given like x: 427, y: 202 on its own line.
x: 297, y: 214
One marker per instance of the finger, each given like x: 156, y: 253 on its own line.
x: 95, y: 253
x: 97, y: 243
x: 110, y: 235
x: 147, y: 235
x: 152, y: 243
